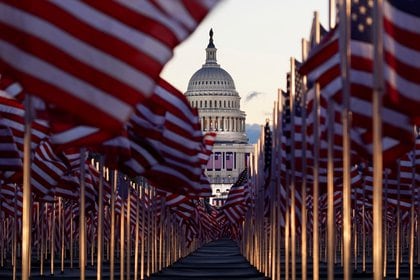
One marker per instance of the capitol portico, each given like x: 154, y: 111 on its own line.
x: 212, y: 91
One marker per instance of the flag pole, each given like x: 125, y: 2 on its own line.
x: 330, y: 187
x: 112, y: 237
x: 330, y: 172
x: 377, y: 141
x: 398, y: 231
x: 71, y: 236
x: 15, y: 233
x: 304, y: 244
x: 122, y: 217
x: 315, y: 217
x: 82, y: 217
x: 412, y: 223
x: 384, y: 242
x: 100, y: 226
x: 61, y: 213
x: 346, y: 121
x: 364, y: 229
x: 136, y: 242
x: 143, y: 224
x: 26, y: 192
x: 52, y: 244
x: 278, y: 236
x: 128, y: 237
x: 292, y: 169
x: 43, y: 234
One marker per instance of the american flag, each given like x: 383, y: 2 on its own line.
x: 323, y: 66
x: 402, y: 55
x: 96, y: 60
x: 397, y: 133
x: 236, y: 203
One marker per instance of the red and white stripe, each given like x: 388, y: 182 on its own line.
x: 95, y: 60
x: 402, y: 58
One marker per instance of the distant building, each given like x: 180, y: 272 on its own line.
x: 212, y: 91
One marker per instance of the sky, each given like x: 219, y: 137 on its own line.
x: 255, y: 40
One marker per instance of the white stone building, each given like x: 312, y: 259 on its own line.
x: 212, y: 91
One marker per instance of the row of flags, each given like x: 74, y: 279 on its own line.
x: 92, y: 72
x: 85, y: 78
x: 81, y: 80
x: 308, y: 183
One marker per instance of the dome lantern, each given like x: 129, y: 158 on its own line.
x: 211, y: 52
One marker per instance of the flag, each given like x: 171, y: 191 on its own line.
x: 229, y: 161
x: 402, y: 55
x: 96, y: 60
x: 236, y: 203
x: 323, y: 66
x: 172, y: 128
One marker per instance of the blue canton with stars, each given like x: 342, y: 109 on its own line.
x: 361, y: 20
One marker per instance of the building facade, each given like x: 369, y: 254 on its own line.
x: 212, y: 91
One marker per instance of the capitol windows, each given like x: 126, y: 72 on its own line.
x: 205, y: 103
x: 210, y: 104
x: 220, y: 103
x: 201, y: 104
x: 224, y: 103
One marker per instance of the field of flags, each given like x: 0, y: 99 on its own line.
x: 341, y: 196
x: 102, y: 161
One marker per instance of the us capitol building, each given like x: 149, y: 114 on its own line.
x: 212, y: 91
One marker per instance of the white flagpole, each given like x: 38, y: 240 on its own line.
x: 26, y: 192
x: 278, y: 212
x: 346, y: 121
x: 315, y: 191
x: 82, y: 217
x: 330, y: 176
x: 292, y: 170
x: 100, y: 226
x: 128, y: 237
x: 136, y: 241
x: 412, y: 224
x: 304, y: 244
x: 122, y: 217
x: 61, y: 215
x: 377, y: 142
x: 112, y: 245
x: 52, y: 244
x: 15, y: 238
x: 143, y: 236
x: 398, y: 231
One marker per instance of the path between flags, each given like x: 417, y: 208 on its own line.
x: 220, y: 259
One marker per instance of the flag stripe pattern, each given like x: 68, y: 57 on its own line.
x: 87, y: 57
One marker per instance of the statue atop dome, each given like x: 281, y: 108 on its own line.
x: 211, y: 44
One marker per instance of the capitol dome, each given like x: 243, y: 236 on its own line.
x: 212, y: 91
x: 211, y: 78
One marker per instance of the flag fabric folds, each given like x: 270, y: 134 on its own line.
x: 402, y: 55
x: 95, y: 60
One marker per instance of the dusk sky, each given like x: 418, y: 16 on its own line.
x: 255, y: 40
